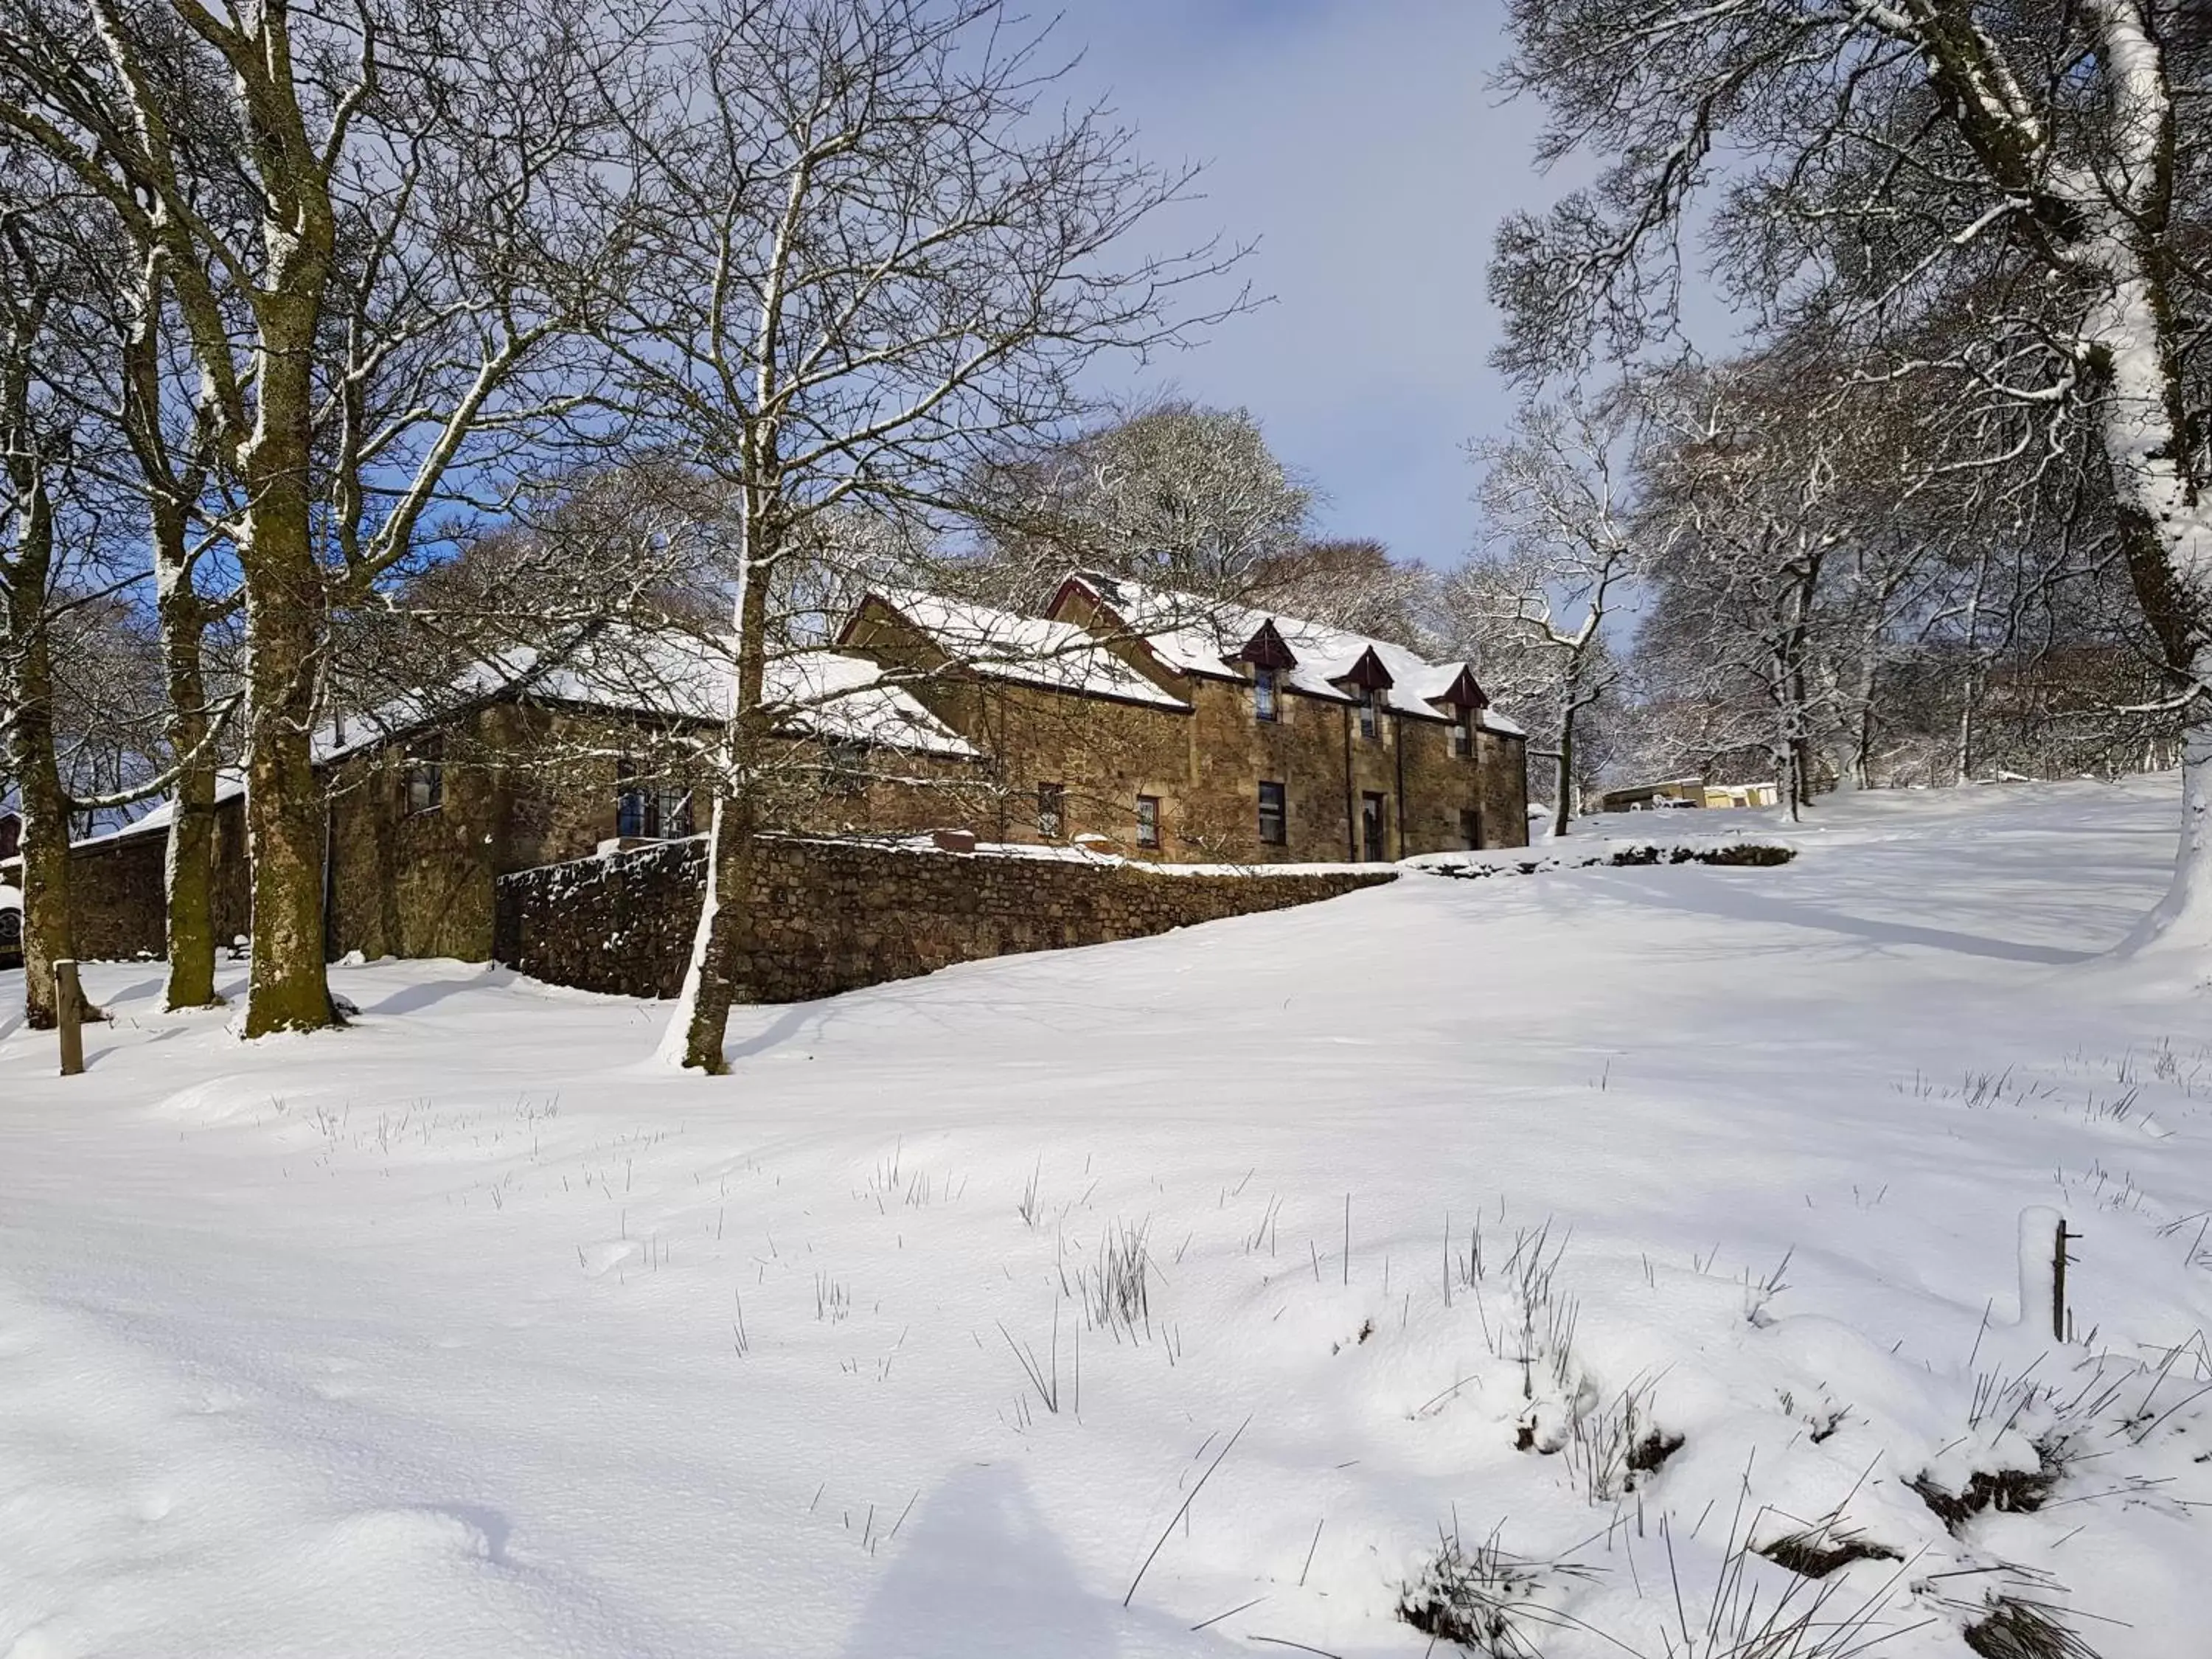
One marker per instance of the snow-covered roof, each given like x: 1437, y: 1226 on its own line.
x: 1028, y: 650
x: 843, y: 698
x: 1190, y: 634
x: 229, y: 784
x: 829, y: 693
x: 670, y: 674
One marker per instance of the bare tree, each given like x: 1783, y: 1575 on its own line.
x: 1169, y: 492
x: 1560, y: 509
x: 1349, y: 583
x: 2004, y: 198
x: 877, y: 259
x: 124, y: 374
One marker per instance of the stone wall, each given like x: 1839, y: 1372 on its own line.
x: 1504, y: 803
x: 119, y: 905
x: 1101, y: 751
x: 835, y: 916
x: 527, y: 785
x: 116, y: 908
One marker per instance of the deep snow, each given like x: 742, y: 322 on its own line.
x: 425, y: 1338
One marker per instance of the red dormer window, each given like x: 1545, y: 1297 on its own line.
x: 1365, y: 684
x: 1466, y: 701
x: 1269, y: 657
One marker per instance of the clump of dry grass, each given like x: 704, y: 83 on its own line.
x: 1483, y: 1598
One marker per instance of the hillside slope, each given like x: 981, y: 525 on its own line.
x: 1616, y: 1218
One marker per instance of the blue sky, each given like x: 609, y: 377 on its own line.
x: 1359, y: 141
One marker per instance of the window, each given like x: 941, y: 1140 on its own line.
x: 1463, y: 736
x: 1367, y: 722
x: 1148, y: 820
x: 844, y: 768
x: 1272, y: 818
x: 1052, y: 810
x: 426, y: 775
x: 648, y: 809
x: 1372, y: 826
x: 1470, y: 828
x: 1263, y: 694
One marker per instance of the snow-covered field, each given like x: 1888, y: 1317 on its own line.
x: 468, y: 1332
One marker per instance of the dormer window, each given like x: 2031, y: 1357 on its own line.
x: 1269, y: 657
x: 1464, y: 702
x: 1368, y: 723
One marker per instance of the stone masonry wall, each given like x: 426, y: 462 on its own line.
x: 1205, y: 763
x: 118, y: 899
x: 524, y: 787
x: 833, y: 916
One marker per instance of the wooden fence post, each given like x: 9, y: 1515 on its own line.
x: 2058, y: 1260
x: 68, y: 1005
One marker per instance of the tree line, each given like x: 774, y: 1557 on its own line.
x: 1960, y: 413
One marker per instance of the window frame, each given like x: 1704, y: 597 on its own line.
x: 1148, y: 821
x: 845, y: 768
x: 1281, y: 813
x: 425, y: 775
x: 1266, y: 696
x: 1377, y: 850
x: 1462, y: 732
x: 663, y: 809
x: 1370, y: 716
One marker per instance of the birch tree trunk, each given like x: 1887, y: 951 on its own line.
x: 696, y: 1032
x: 2133, y: 339
x: 288, y: 989
x: 1562, y: 799
x: 1563, y: 807
x: 188, y: 868
x: 27, y: 582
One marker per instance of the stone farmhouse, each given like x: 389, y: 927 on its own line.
x: 1170, y: 727
x: 1228, y: 736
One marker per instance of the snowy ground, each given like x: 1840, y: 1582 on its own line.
x: 425, y: 1338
